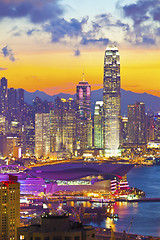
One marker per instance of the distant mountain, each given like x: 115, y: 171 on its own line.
x: 30, y: 96
x: 127, y: 97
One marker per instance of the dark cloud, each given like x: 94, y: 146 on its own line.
x: 37, y: 11
x: 61, y: 28
x: 139, y: 11
x: 148, y: 40
x: 8, y: 53
x: 77, y: 53
x: 143, y: 11
x: 156, y: 13
x: 31, y: 31
x: 145, y: 14
x: 86, y: 41
x: 158, y: 31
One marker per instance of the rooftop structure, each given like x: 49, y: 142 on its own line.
x: 57, y: 227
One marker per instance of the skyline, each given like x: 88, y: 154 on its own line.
x: 49, y: 43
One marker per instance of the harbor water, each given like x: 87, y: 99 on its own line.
x: 146, y: 215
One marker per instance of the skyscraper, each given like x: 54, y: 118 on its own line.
x: 84, y: 122
x: 98, y: 125
x: 111, y: 101
x: 42, y: 134
x: 12, y: 104
x: 9, y: 209
x: 20, y: 100
x: 136, y: 123
x: 3, y: 99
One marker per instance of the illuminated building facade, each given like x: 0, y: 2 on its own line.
x: 12, y: 104
x: 124, y: 130
x: 65, y: 177
x: 56, y: 130
x: 136, y: 123
x: 3, y: 125
x: 157, y: 127
x: 150, y: 126
x: 98, y: 125
x: 63, y: 126
x: 20, y: 100
x: 111, y: 101
x: 42, y: 134
x: 84, y: 122
x: 3, y: 96
x: 9, y: 209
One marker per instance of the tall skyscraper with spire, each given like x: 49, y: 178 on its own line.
x: 84, y: 122
x: 111, y: 101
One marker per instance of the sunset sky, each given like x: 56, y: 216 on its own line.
x: 46, y: 44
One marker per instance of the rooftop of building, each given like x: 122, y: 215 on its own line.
x: 52, y: 216
x: 65, y: 226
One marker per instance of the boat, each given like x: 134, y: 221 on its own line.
x: 113, y: 216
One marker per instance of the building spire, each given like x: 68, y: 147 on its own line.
x: 83, y: 75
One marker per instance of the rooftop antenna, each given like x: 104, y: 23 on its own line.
x: 83, y: 75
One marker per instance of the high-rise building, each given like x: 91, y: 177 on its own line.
x: 63, y: 126
x: 56, y: 130
x: 157, y: 127
x: 111, y: 101
x: 124, y: 130
x: 9, y: 209
x: 84, y: 121
x: 12, y: 104
x: 42, y: 134
x: 20, y: 103
x: 136, y: 123
x: 150, y: 126
x: 3, y: 96
x: 98, y: 125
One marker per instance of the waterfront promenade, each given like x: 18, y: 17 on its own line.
x: 107, y: 233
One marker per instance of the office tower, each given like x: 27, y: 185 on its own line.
x: 42, y: 134
x: 3, y: 96
x: 111, y: 101
x: 3, y: 146
x: 9, y: 209
x: 56, y: 227
x: 12, y: 105
x: 41, y: 106
x: 20, y: 95
x: 84, y: 122
x: 3, y: 125
x: 150, y: 126
x: 157, y: 127
x: 28, y: 136
x: 124, y: 130
x: 63, y: 126
x: 98, y: 125
x: 69, y: 130
x: 136, y: 123
x: 56, y: 130
x: 37, y: 103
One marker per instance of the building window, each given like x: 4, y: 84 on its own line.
x: 67, y: 238
x: 21, y: 237
x: 76, y: 238
x: 56, y: 238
